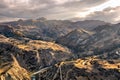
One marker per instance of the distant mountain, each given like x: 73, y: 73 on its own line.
x: 67, y: 33
x: 9, y: 31
x: 105, y: 40
x: 102, y: 39
x: 89, y: 24
x: 104, y: 36
x: 50, y: 30
x: 74, y: 38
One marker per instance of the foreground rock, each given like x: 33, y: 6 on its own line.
x: 82, y: 69
x: 11, y: 70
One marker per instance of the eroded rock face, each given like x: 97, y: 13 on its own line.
x: 83, y: 69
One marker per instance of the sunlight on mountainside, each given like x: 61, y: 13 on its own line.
x: 90, y: 62
x: 12, y: 71
x: 42, y: 45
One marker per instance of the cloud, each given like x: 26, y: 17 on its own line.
x: 3, y: 5
x: 110, y: 14
x: 52, y: 9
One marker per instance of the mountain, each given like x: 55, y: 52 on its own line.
x: 75, y: 37
x: 89, y: 24
x: 9, y: 31
x: 102, y: 39
x: 59, y: 50
x: 106, y: 39
x: 50, y: 30
x: 33, y: 54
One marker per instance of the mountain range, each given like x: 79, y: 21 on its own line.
x: 59, y: 50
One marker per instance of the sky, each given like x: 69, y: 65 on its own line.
x: 105, y: 10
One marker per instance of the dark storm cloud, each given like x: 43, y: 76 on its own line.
x: 52, y: 9
x: 109, y: 14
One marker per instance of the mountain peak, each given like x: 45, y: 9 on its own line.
x: 20, y: 20
x: 42, y: 18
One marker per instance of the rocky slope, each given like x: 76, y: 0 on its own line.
x: 34, y: 55
x: 105, y: 40
x: 74, y: 38
x: 9, y: 65
x: 11, y: 70
x: 102, y: 39
x: 90, y: 68
x: 9, y: 31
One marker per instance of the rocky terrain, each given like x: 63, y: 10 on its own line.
x: 34, y: 50
x: 74, y: 38
x: 90, y: 68
x: 59, y: 50
x: 11, y: 70
x: 32, y: 56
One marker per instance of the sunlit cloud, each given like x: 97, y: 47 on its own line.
x: 110, y: 14
x: 53, y: 9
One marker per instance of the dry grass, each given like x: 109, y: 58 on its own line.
x: 24, y: 47
x: 35, y: 44
x: 46, y: 45
x: 13, y: 71
x: 88, y: 64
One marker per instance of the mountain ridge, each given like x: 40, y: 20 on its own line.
x: 60, y: 48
